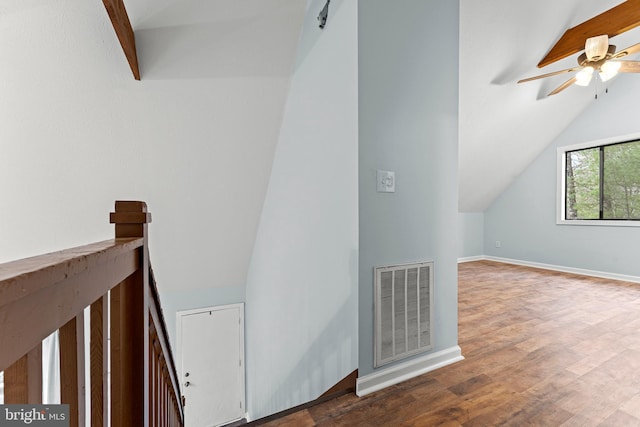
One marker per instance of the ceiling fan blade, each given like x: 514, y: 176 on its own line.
x: 629, y: 66
x: 596, y: 47
x: 563, y: 86
x: 628, y: 51
x: 555, y: 73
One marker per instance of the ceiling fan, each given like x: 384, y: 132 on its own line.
x: 598, y: 57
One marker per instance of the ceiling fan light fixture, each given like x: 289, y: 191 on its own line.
x: 596, y: 47
x: 584, y: 76
x: 609, y: 70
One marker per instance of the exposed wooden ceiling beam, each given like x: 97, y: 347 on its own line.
x: 122, y: 25
x: 614, y: 21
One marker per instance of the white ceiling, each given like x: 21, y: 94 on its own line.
x: 146, y: 14
x: 191, y: 39
x: 503, y: 125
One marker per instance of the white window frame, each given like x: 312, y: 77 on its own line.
x: 561, y: 176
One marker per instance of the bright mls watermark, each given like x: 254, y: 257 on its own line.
x: 34, y: 415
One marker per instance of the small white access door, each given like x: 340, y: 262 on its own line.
x: 211, y: 352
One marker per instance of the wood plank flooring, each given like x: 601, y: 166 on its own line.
x: 542, y: 349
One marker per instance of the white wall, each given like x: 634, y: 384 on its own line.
x: 301, y: 296
x: 77, y: 132
x: 470, y: 234
x: 523, y: 218
x: 408, y: 112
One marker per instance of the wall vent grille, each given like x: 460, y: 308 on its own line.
x: 403, y: 311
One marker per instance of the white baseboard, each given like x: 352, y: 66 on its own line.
x: 471, y: 259
x: 563, y: 269
x: 386, y: 377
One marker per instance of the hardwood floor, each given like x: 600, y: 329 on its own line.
x: 542, y: 348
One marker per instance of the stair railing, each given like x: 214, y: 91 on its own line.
x: 42, y: 294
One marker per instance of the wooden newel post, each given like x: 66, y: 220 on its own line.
x: 131, y: 219
x: 130, y: 325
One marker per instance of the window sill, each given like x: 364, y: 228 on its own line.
x: 600, y: 223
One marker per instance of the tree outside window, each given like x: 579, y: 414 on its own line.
x: 603, y: 183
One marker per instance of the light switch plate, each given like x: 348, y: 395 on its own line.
x: 386, y: 181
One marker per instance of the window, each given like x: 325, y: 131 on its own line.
x: 600, y: 183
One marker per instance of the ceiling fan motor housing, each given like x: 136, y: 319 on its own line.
x: 596, y: 61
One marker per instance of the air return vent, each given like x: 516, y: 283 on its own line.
x: 403, y: 311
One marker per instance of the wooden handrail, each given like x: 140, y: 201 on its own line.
x: 52, y: 288
x: 42, y: 294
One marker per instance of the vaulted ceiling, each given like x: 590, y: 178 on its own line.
x: 503, y: 125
